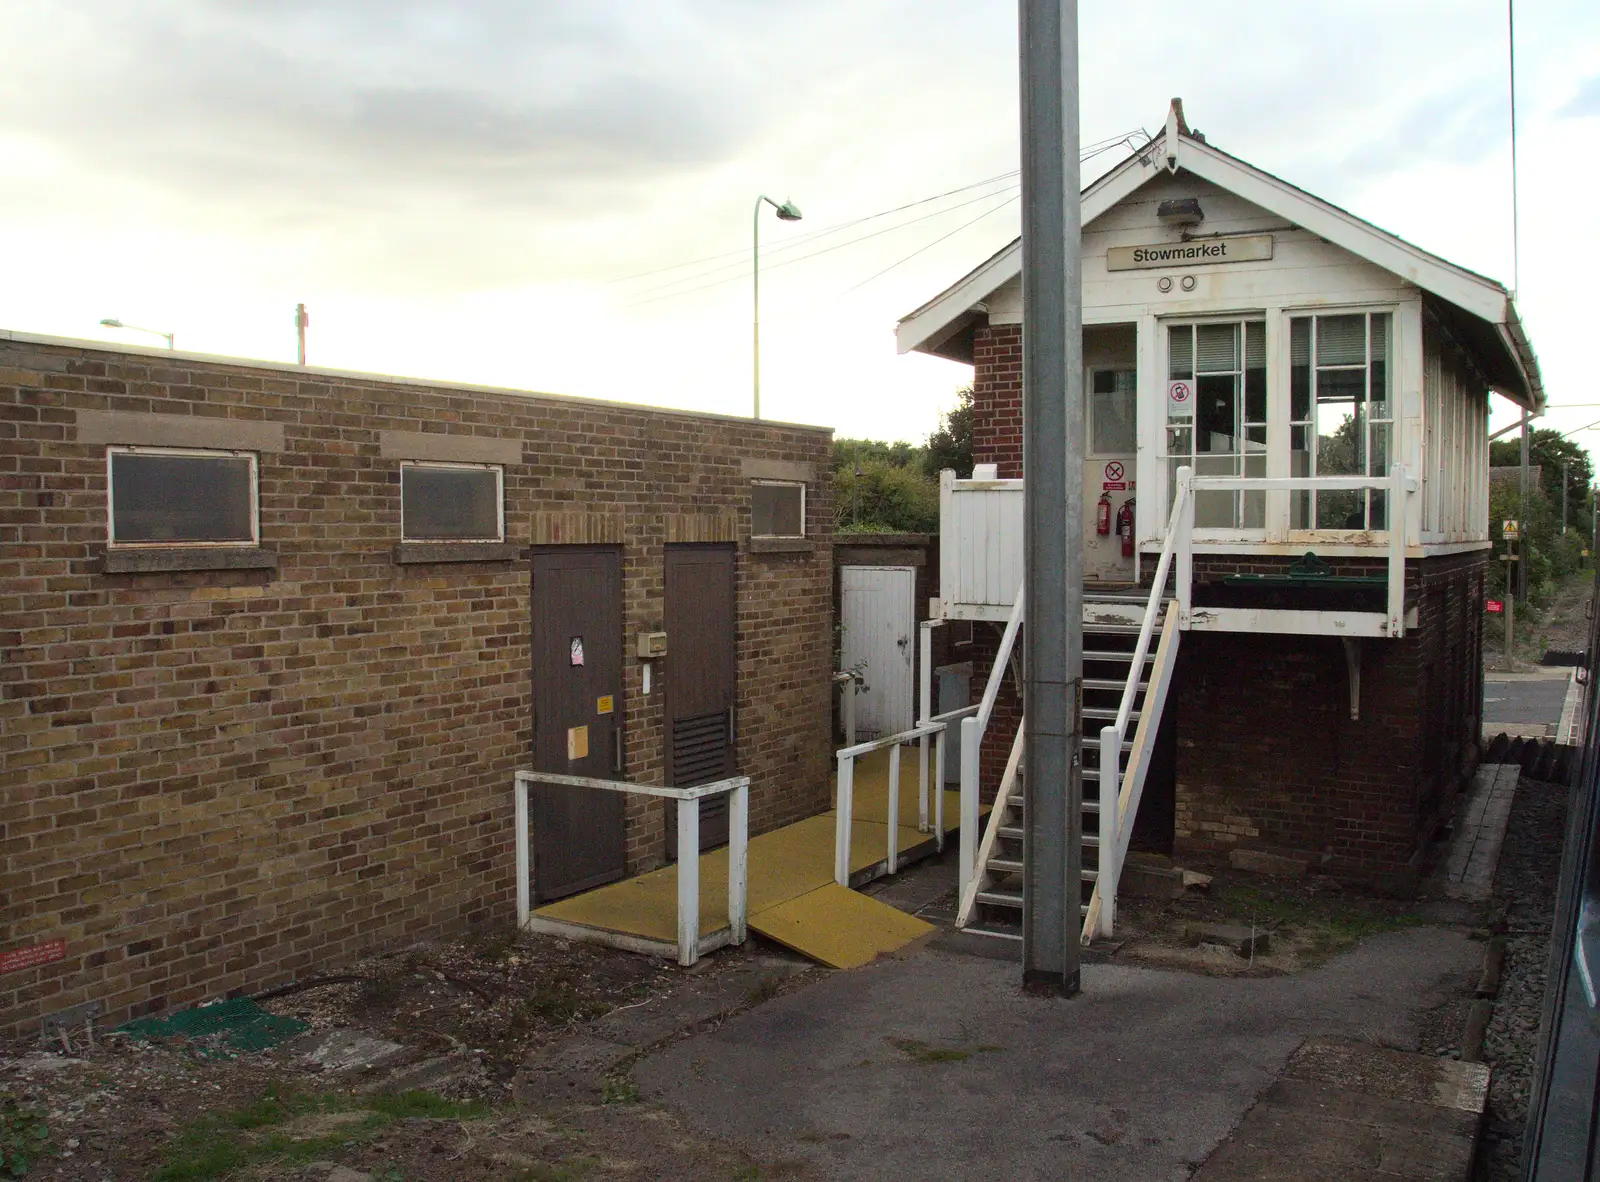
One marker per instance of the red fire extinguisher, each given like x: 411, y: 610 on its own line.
x: 1102, y: 517
x: 1125, y: 527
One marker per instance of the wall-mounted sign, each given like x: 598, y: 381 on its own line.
x: 577, y: 742
x: 604, y: 705
x: 577, y: 650
x: 33, y: 955
x: 1243, y: 248
x: 1180, y: 396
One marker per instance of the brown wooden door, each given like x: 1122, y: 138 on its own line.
x: 578, y: 839
x: 699, y: 688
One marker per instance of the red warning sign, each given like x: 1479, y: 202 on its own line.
x: 37, y: 954
x: 1114, y: 470
x: 1493, y: 605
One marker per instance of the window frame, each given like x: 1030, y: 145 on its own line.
x: 801, y: 485
x: 1091, y: 417
x: 500, y: 503
x: 253, y: 542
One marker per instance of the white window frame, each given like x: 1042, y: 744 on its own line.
x: 499, y: 494
x: 199, y: 453
x: 800, y: 484
x: 1089, y: 415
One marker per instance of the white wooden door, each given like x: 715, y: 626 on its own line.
x: 877, y: 615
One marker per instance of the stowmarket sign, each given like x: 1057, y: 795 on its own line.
x: 1240, y: 249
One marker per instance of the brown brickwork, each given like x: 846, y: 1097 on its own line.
x: 1269, y: 757
x: 997, y: 398
x: 218, y: 780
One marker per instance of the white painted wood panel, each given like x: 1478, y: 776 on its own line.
x: 877, y: 616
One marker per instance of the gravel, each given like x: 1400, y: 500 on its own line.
x: 1524, y: 891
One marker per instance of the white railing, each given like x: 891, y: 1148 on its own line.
x: 851, y: 682
x: 968, y: 895
x: 972, y: 732
x: 689, y: 943
x: 1398, y: 485
x: 844, y: 810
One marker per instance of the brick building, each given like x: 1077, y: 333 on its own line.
x: 1238, y: 330
x: 272, y: 723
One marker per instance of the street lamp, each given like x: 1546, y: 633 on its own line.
x: 112, y: 322
x: 788, y: 212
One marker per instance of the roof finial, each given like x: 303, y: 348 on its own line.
x: 1176, y: 126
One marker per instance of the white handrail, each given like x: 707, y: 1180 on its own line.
x: 991, y: 832
x: 844, y: 804
x: 738, y: 790
x: 1008, y: 641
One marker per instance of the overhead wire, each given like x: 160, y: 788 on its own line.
x: 663, y: 291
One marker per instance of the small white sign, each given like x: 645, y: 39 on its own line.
x: 1180, y: 394
x: 577, y: 650
x: 1241, y: 248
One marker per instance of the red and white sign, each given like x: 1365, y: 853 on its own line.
x: 1179, y: 392
x: 1114, y: 470
x: 37, y: 954
x: 1493, y: 605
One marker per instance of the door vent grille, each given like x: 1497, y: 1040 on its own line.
x: 699, y: 748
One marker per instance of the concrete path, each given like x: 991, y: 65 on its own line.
x: 938, y: 1066
x: 1525, y: 705
x: 1468, y: 870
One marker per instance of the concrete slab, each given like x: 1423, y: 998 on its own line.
x: 1481, y: 819
x: 1347, y: 1110
x: 937, y: 1065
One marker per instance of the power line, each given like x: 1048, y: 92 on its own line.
x: 815, y: 234
x: 741, y: 265
x: 1087, y: 153
x: 931, y: 245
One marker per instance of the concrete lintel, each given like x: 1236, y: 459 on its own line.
x: 135, y: 429
x: 760, y: 469
x: 449, y: 449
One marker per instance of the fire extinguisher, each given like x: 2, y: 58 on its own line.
x: 1125, y: 527
x: 1102, y: 517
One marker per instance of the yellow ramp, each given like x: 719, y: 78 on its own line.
x: 839, y: 927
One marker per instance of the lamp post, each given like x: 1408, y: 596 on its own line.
x: 788, y: 212
x: 113, y: 322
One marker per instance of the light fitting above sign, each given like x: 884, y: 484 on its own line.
x: 1241, y: 249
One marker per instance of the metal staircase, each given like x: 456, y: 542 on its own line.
x: 1108, y: 656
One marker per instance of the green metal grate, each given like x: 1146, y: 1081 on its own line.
x: 238, y: 1024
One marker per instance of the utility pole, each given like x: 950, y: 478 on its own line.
x: 1523, y: 540
x: 1564, y: 464
x: 1052, y: 451
x: 301, y: 321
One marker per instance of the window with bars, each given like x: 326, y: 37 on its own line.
x: 179, y: 496
x: 1341, y: 416
x: 451, y: 503
x: 1217, y: 416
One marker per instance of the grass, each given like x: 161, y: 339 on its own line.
x: 1329, y: 923
x: 764, y: 990
x: 921, y: 1052
x: 24, y: 1136
x: 265, y: 1130
x: 619, y: 1089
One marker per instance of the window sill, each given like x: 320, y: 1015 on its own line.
x: 781, y: 546
x: 414, y: 553
x: 156, y: 561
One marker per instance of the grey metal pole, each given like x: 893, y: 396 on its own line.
x: 755, y: 322
x: 1524, y: 543
x: 1052, y: 451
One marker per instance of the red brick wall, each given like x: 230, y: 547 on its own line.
x: 997, y: 398
x: 1269, y: 757
x: 215, y: 781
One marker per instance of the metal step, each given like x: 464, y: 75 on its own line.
x: 1012, y: 899
x: 993, y: 934
x: 1004, y: 866
x: 1108, y: 714
x: 1107, y: 683
x: 1116, y: 656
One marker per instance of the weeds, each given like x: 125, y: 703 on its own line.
x: 265, y: 1130
x: 764, y: 990
x: 24, y: 1137
x: 923, y: 1053
x: 619, y: 1089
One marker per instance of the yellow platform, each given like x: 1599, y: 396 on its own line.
x: 784, y: 866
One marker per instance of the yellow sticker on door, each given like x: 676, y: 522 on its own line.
x: 577, y: 742
x: 603, y: 705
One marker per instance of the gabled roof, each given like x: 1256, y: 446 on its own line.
x: 1511, y: 367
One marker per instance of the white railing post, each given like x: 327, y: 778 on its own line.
x: 1110, y: 799
x: 925, y: 657
x: 1183, y: 543
x: 688, y: 881
x: 523, y: 859
x: 938, y: 787
x: 894, y: 808
x: 843, y: 805
x: 738, y: 862
x: 850, y: 712
x: 969, y: 801
x: 1398, y: 513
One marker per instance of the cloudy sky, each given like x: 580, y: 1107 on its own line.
x: 504, y: 191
